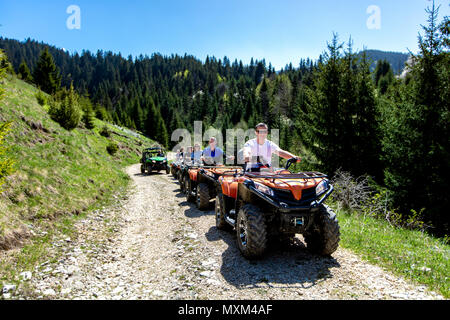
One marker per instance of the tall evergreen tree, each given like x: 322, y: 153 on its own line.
x: 154, y: 125
x: 321, y: 126
x: 415, y: 143
x: 46, y: 75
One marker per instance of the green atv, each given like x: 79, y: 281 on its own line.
x: 154, y: 159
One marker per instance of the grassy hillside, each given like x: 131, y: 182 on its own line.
x: 57, y: 172
x: 411, y: 254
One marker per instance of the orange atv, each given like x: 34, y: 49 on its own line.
x: 200, y: 182
x: 275, y: 205
x: 204, y: 182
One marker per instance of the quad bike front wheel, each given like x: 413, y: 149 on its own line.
x: 142, y: 169
x: 324, y: 236
x: 167, y: 169
x: 251, y: 231
x: 202, y: 196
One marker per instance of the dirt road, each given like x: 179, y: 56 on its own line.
x: 155, y: 245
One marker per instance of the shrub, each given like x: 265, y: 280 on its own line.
x: 350, y: 193
x: 6, y: 164
x: 112, y: 148
x: 40, y: 97
x: 363, y: 196
x: 101, y: 113
x: 64, y: 109
x: 105, y: 132
x: 88, y: 113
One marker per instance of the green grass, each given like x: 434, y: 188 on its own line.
x: 412, y: 254
x: 59, y: 175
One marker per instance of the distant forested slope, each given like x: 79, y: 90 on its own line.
x: 396, y: 59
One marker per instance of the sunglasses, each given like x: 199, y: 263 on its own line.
x: 261, y: 131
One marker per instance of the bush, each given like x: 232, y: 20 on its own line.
x: 88, y: 113
x: 101, y: 113
x: 105, y: 132
x: 40, y: 97
x: 112, y: 148
x: 362, y: 196
x: 6, y: 164
x: 350, y: 193
x: 64, y: 109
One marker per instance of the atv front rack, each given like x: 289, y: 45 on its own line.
x: 300, y: 175
x: 275, y: 176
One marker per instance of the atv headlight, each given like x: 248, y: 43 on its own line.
x: 321, y: 187
x: 153, y: 161
x: 264, y: 189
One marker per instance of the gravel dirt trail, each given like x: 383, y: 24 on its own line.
x: 153, y: 244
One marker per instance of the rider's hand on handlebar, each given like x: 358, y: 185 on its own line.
x: 298, y: 159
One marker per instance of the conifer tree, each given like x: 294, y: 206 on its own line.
x: 25, y: 73
x: 66, y: 110
x: 46, y: 75
x: 88, y: 113
x: 415, y: 142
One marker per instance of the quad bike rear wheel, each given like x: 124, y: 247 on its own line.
x: 251, y: 231
x: 202, y: 196
x: 219, y: 205
x: 187, y: 189
x: 323, y: 238
x: 181, y: 180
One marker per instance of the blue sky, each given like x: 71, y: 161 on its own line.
x: 281, y: 31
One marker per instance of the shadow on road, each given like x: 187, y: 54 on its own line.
x: 193, y: 212
x: 288, y: 266
x: 149, y: 174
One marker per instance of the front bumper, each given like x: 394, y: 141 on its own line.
x: 285, y: 208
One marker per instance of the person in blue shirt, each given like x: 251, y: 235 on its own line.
x: 212, y: 154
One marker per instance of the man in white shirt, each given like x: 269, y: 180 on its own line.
x: 262, y: 149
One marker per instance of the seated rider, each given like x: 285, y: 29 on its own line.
x: 212, y: 154
x: 187, y: 156
x: 260, y: 150
x: 196, y: 153
x: 180, y: 154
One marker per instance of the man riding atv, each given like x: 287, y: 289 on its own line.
x: 265, y: 205
x: 262, y: 149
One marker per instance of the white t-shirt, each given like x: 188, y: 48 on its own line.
x: 264, y: 151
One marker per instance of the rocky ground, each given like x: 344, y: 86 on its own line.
x: 154, y: 245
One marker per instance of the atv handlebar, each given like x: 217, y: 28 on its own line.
x: 291, y: 161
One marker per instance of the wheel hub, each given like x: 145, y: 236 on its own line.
x: 243, y: 232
